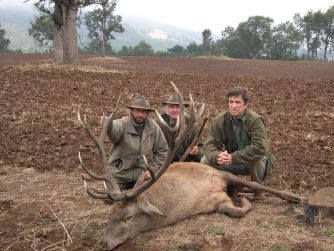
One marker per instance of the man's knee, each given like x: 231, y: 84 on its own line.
x: 259, y: 170
x: 204, y: 160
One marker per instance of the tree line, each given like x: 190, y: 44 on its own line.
x: 254, y: 38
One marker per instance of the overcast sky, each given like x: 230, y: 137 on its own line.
x: 208, y: 14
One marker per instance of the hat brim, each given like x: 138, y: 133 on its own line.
x: 174, y: 103
x: 140, y: 107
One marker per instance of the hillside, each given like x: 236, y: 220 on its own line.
x: 16, y: 22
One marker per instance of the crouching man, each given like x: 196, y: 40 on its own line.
x: 237, y: 141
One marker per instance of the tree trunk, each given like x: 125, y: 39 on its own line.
x: 103, y: 47
x: 70, y: 34
x: 57, y: 49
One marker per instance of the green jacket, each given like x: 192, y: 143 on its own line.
x: 127, y: 150
x: 186, y: 142
x: 221, y: 137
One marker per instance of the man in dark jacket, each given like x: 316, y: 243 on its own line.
x: 170, y: 116
x: 131, y: 139
x: 237, y: 141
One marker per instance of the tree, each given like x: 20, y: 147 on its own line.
x: 194, y: 49
x: 4, y: 42
x: 42, y: 30
x: 232, y: 44
x: 328, y: 30
x: 311, y: 26
x: 285, y: 41
x: 217, y: 47
x: 64, y: 14
x: 255, y: 34
x: 177, y: 50
x: 143, y: 49
x: 126, y: 51
x: 207, y: 41
x: 101, y: 23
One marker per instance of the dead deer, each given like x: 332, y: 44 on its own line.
x: 173, y: 193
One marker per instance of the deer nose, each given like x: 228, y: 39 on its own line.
x: 108, y: 244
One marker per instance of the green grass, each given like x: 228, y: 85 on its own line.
x: 216, y: 57
x: 140, y: 243
x: 329, y: 232
x: 216, y: 229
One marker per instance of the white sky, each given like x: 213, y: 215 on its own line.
x: 209, y: 14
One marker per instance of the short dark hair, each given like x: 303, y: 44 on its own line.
x: 239, y: 91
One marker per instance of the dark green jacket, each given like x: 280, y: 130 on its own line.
x: 126, y: 154
x: 221, y: 138
x: 186, y: 142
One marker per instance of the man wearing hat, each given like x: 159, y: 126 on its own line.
x: 170, y: 116
x: 133, y: 138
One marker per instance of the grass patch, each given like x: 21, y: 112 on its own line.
x: 216, y: 57
x: 216, y: 229
x: 329, y: 232
x: 90, y: 238
x: 140, y: 242
x: 45, y: 67
x: 185, y: 246
x: 265, y: 225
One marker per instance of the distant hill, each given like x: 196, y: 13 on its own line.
x: 16, y: 22
x: 160, y: 36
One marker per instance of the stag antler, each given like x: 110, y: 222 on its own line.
x: 112, y: 189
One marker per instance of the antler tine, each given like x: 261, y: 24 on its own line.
x: 95, y: 140
x: 200, y: 111
x: 186, y: 127
x: 147, y: 166
x: 94, y: 194
x: 171, y: 151
x: 91, y: 174
x: 108, y: 122
x: 111, y: 183
x: 113, y: 191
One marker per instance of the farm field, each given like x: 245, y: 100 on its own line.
x: 41, y: 187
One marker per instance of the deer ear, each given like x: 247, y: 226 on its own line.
x: 145, y: 206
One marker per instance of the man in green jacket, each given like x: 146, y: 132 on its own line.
x: 237, y: 141
x: 172, y: 109
x: 133, y: 138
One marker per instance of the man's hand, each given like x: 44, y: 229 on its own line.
x: 146, y: 175
x: 194, y: 151
x: 224, y: 158
x: 125, y: 118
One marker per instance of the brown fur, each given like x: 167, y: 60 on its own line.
x: 185, y: 189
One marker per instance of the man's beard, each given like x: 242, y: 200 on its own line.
x: 139, y: 120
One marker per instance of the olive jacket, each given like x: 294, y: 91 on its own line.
x: 127, y: 150
x: 221, y: 138
x: 185, y: 143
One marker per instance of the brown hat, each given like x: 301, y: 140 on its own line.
x: 141, y: 102
x: 173, y: 100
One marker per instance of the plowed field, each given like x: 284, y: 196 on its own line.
x: 41, y: 189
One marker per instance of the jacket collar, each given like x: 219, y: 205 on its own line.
x: 130, y: 129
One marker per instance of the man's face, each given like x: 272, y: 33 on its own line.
x: 236, y: 105
x: 139, y: 115
x: 173, y: 111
